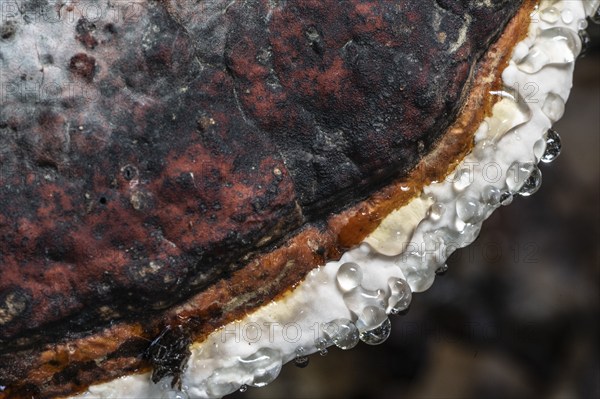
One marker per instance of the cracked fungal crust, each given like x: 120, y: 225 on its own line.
x: 196, y: 152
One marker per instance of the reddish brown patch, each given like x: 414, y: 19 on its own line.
x: 83, y: 66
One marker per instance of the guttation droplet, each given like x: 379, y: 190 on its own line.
x: 221, y: 382
x: 301, y: 359
x: 468, y: 209
x: 436, y: 211
x: 555, y: 46
x: 349, y: 276
x: 506, y: 198
x: 539, y: 147
x: 517, y: 174
x: 342, y: 332
x: 553, y: 107
x: 265, y: 364
x: 442, y: 269
x: 532, y: 184
x: 321, y: 344
x: 567, y: 16
x: 359, y: 297
x: 377, y: 335
x: 462, y: 179
x: 553, y: 146
x: 492, y: 195
x: 370, y: 317
x: 400, y: 297
x: 586, y: 42
x: 550, y: 15
x: 244, y: 388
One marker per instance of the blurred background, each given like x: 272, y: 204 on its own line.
x: 516, y: 315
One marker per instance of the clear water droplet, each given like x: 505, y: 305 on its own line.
x: 359, y: 297
x: 371, y: 317
x: 538, y: 148
x: 492, y: 195
x: 301, y: 359
x: 442, y: 269
x: 517, y: 174
x: 322, y: 343
x: 550, y: 15
x: 586, y: 42
x: 323, y: 352
x: 553, y: 107
x: 462, y: 179
x: 220, y: 383
x: 567, y: 16
x: 469, y: 234
x: 419, y: 278
x: 265, y: 364
x: 506, y: 198
x: 343, y: 333
x: 244, y: 388
x: 532, y: 184
x: 555, y: 46
x: 468, y: 209
x: 401, y: 295
x: 377, y: 335
x: 553, y: 146
x: 436, y: 211
x: 349, y: 276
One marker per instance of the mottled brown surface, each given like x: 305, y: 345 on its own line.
x: 164, y: 197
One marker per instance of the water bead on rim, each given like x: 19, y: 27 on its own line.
x: 553, y: 146
x: 358, y: 298
x: 544, y: 52
x: 462, y: 179
x: 550, y: 15
x: 401, y: 295
x: 265, y: 364
x: 506, y: 198
x: 441, y: 270
x: 436, y: 211
x: 532, y: 184
x: 517, y: 174
x: 468, y: 209
x: 349, y: 276
x: 377, y: 335
x: 301, y: 359
x: 343, y: 333
x: 553, y: 107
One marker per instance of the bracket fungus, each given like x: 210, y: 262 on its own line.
x: 195, y: 193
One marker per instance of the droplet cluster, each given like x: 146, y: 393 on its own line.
x: 369, y: 308
x: 545, y: 51
x: 494, y: 173
x: 257, y: 370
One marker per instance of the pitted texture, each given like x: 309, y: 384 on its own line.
x: 152, y: 149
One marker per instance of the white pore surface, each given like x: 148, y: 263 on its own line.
x: 503, y: 163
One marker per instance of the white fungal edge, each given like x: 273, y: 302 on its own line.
x: 514, y: 133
